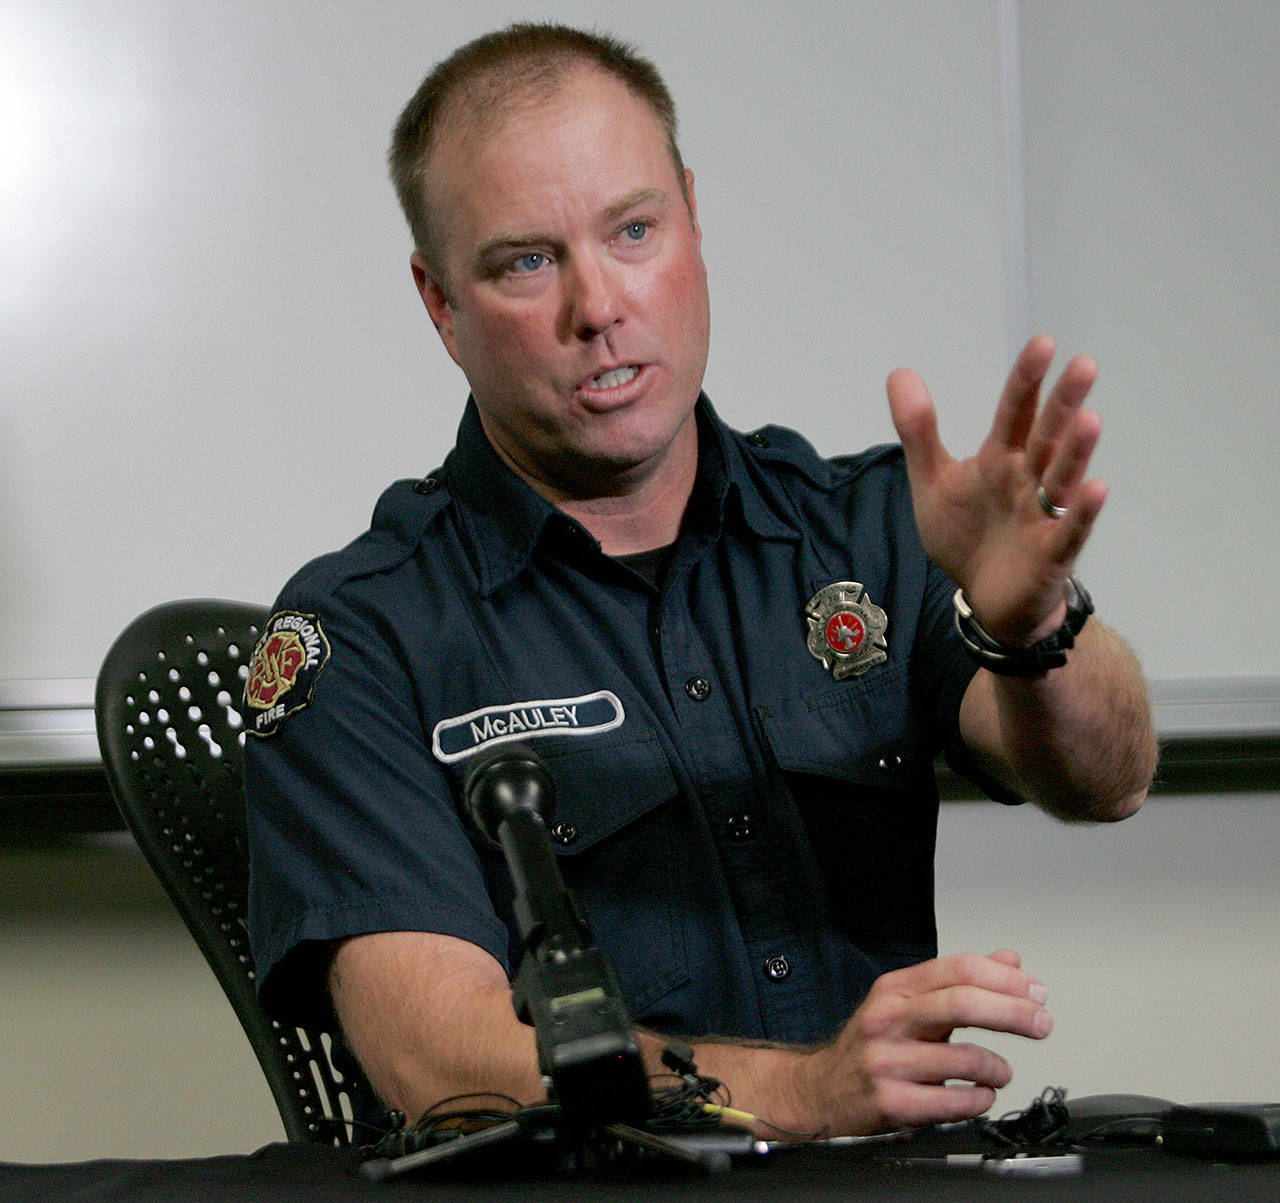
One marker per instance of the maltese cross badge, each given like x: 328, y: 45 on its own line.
x: 846, y: 629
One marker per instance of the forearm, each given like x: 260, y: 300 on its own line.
x: 893, y: 1064
x: 428, y: 1030
x: 429, y: 1018
x: 1079, y: 739
x: 762, y: 1079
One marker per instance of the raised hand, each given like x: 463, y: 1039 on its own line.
x: 990, y: 520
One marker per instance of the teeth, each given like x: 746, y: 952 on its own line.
x: 616, y: 377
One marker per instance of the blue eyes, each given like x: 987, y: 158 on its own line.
x: 532, y: 262
x: 528, y: 263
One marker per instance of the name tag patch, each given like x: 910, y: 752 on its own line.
x: 457, y: 738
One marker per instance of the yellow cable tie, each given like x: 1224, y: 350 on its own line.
x: 729, y: 1113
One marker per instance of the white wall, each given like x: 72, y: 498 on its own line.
x: 1153, y: 198
x: 217, y: 360
x: 117, y: 1040
x: 1156, y: 938
x: 214, y: 361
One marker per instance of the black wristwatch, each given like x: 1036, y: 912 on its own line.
x: 1044, y: 654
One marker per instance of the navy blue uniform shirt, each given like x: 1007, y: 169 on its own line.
x: 750, y: 838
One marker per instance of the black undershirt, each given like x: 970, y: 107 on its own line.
x: 649, y: 564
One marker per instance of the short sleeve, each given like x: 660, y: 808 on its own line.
x: 353, y: 826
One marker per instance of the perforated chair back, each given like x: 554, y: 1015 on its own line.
x: 172, y: 743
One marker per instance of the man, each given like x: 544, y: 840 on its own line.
x: 737, y: 658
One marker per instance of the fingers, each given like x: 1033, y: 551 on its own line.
x: 1000, y: 972
x: 1006, y: 956
x: 1059, y: 449
x: 909, y: 1104
x: 939, y: 1013
x: 1072, y: 531
x: 931, y: 1000
x: 935, y: 1064
x: 933, y: 1083
x: 1058, y: 437
x: 894, y: 1063
x: 1059, y: 420
x: 916, y: 422
x: 1062, y: 467
x: 1017, y: 407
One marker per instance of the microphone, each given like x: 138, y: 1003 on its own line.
x: 510, y: 795
x: 505, y: 780
x: 566, y: 987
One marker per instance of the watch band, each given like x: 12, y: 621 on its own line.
x: 1044, y: 654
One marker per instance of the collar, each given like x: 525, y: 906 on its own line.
x: 501, y: 516
x: 735, y: 480
x: 505, y: 520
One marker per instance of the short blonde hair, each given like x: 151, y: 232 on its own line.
x: 499, y: 68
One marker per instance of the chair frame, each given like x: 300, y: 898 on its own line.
x: 172, y: 738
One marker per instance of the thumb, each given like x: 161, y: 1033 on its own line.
x: 1006, y: 956
x: 916, y: 422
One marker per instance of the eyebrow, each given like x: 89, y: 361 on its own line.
x: 641, y: 196
x: 504, y: 241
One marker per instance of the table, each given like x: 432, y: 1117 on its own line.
x: 284, y: 1173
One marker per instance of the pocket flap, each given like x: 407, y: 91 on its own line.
x: 604, y: 787
x: 861, y: 732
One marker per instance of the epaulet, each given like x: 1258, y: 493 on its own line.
x: 401, y: 518
x: 779, y: 446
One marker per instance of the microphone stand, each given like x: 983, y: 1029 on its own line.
x: 566, y: 987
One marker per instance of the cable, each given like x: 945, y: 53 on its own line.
x: 1043, y: 1123
x: 700, y: 1101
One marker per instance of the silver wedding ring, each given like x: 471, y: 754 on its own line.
x: 1054, y: 511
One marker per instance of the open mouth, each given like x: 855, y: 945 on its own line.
x: 614, y: 378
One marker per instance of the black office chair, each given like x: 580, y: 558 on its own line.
x: 172, y: 742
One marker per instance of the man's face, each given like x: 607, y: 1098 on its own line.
x: 576, y: 293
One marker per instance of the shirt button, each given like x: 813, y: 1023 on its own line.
x: 890, y: 761
x: 756, y: 439
x: 564, y: 832
x: 740, y: 827
x: 427, y: 485
x: 698, y: 688
x: 777, y: 969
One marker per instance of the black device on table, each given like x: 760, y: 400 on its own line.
x: 568, y: 990
x: 1057, y: 1124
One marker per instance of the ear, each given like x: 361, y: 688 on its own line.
x: 693, y: 204
x: 437, y: 302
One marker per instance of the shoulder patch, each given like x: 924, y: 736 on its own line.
x: 289, y: 657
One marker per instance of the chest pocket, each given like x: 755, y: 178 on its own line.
x: 861, y: 772
x: 617, y: 836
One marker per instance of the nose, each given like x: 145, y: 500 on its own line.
x: 593, y: 300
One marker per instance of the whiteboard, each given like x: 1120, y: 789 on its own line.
x: 214, y: 360
x: 1153, y: 203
